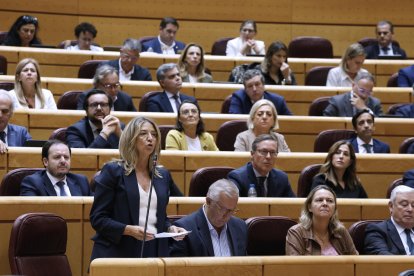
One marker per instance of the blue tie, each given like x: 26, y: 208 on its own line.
x: 367, y: 148
x: 61, y: 185
x: 3, y: 136
x: 409, y: 241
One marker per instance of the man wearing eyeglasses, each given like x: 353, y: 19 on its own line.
x: 106, y: 79
x: 99, y: 129
x: 126, y: 64
x: 260, y: 171
x: 348, y: 104
x: 385, y: 46
x: 215, y: 232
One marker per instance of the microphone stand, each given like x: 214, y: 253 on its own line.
x: 154, y: 164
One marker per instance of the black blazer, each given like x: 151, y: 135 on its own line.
x: 123, y: 102
x: 161, y: 103
x: 140, y: 73
x: 383, y: 239
x: 373, y: 50
x: 39, y: 184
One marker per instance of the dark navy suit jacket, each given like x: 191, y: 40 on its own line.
x: 241, y: 104
x: 140, y: 73
x: 277, y: 182
x: 340, y: 106
x: 116, y: 205
x: 39, y: 184
x: 80, y: 135
x: 198, y: 243
x: 406, y: 76
x: 406, y: 111
x: 373, y: 51
x: 123, y: 102
x: 156, y: 46
x: 161, y: 103
x: 17, y: 135
x: 383, y: 239
x: 379, y: 147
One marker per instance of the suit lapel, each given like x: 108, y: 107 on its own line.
x: 395, y: 237
x: 131, y: 189
x: 233, y: 239
x: 204, y: 232
x: 349, y: 109
x: 50, y: 191
x: 73, y: 186
x: 166, y: 102
x: 88, y: 131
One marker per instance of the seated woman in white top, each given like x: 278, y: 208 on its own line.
x: 28, y: 92
x: 85, y: 34
x: 246, y: 44
x: 349, y: 68
x: 191, y: 64
x: 262, y: 120
x: 189, y: 131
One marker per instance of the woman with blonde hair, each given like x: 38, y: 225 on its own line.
x: 350, y: 67
x: 262, y: 120
x: 319, y: 231
x: 28, y: 92
x: 191, y: 64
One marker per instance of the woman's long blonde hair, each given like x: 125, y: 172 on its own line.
x: 18, y: 88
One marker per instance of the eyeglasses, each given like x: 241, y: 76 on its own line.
x: 248, y: 31
x: 264, y: 153
x: 146, y: 135
x: 363, y: 91
x: 113, y: 86
x: 95, y: 105
x: 28, y: 19
x: 188, y: 111
x: 224, y: 210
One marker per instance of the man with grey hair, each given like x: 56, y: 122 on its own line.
x: 394, y: 236
x: 126, y: 64
x: 348, y: 104
x: 10, y: 135
x: 215, y: 232
x: 242, y: 100
x: 106, y: 79
x: 168, y: 76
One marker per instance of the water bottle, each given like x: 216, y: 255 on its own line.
x: 252, y: 191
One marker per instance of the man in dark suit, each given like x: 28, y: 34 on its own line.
x: 168, y: 76
x: 348, y: 104
x: 385, y: 47
x: 10, y: 135
x: 394, y: 236
x: 406, y: 77
x: 215, y: 232
x: 165, y: 43
x: 126, y: 64
x: 55, y: 180
x: 99, y: 129
x: 106, y: 79
x: 268, y: 182
x: 243, y: 99
x: 363, y: 123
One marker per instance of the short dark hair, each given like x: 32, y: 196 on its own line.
x: 200, y: 125
x: 251, y: 73
x: 359, y: 113
x: 264, y: 137
x: 169, y: 20
x: 94, y: 92
x: 386, y: 22
x: 49, y: 143
x: 85, y: 27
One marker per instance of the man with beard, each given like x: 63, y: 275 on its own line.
x: 99, y: 129
x: 55, y: 180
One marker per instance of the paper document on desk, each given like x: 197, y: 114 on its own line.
x: 170, y: 235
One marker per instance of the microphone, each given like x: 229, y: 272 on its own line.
x: 154, y: 164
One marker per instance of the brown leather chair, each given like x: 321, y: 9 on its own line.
x: 3, y: 65
x: 164, y: 129
x: 88, y: 68
x: 405, y: 145
x: 327, y: 138
x: 305, y: 179
x: 225, y: 106
x: 204, y: 177
x: 266, y: 235
x: 219, y: 46
x: 38, y: 245
x: 317, y: 76
x: 366, y: 41
x: 392, y: 185
x: 7, y: 85
x: 310, y: 47
x: 69, y: 100
x: 143, y: 103
x: 357, y: 232
x: 318, y: 106
x: 227, y: 133
x: 10, y: 185
x: 393, y: 80
x: 59, y: 134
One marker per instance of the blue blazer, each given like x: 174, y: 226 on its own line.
x: 198, y: 243
x: 17, y: 135
x: 39, y: 184
x: 161, y: 103
x: 116, y: 205
x: 379, y: 147
x: 406, y: 76
x: 383, y: 239
x: 373, y: 50
x: 80, y: 135
x: 406, y: 111
x: 123, y: 102
x: 156, y: 46
x: 277, y: 182
x: 140, y: 73
x: 241, y: 104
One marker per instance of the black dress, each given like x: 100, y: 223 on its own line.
x: 358, y: 192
